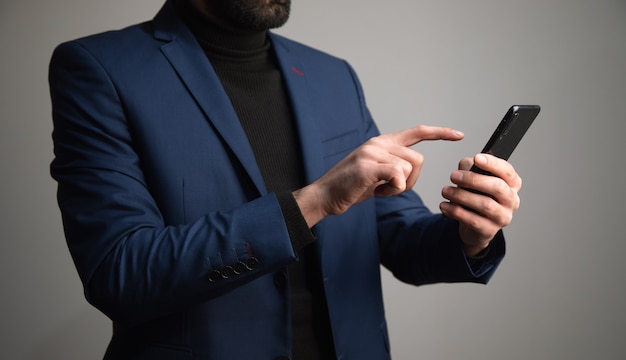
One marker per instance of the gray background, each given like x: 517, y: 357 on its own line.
x: 559, y: 294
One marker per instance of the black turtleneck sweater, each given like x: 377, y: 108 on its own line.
x: 248, y: 70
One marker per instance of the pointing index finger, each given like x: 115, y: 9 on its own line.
x: 414, y: 135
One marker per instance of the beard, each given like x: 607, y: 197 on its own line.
x: 255, y: 14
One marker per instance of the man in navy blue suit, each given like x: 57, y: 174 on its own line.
x: 226, y: 194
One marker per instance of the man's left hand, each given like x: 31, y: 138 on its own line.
x: 492, y: 210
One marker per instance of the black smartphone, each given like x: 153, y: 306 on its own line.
x: 509, y: 132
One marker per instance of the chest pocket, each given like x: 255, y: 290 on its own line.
x: 337, y: 147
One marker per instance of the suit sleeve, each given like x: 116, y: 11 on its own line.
x: 133, y: 267
x: 424, y: 248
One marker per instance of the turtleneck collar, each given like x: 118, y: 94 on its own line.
x: 222, y: 41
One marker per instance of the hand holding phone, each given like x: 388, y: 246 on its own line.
x: 507, y: 135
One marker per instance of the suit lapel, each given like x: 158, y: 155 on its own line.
x: 191, y: 64
x: 189, y: 61
x: 295, y: 77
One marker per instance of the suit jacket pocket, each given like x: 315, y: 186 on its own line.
x: 342, y: 144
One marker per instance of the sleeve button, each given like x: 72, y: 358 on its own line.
x: 251, y: 263
x: 215, y: 275
x: 239, y: 267
x: 227, y: 272
x: 280, y: 280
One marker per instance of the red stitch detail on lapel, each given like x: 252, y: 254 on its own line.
x: 249, y: 249
x: 297, y: 71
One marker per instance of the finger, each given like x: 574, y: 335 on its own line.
x: 466, y: 163
x: 491, y: 187
x: 414, y: 135
x: 395, y: 180
x: 473, y: 228
x: 384, y: 151
x: 473, y: 220
x: 496, y: 212
x: 500, y: 168
x: 411, y: 161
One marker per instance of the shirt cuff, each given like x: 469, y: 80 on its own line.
x: 299, y: 232
x: 484, y: 261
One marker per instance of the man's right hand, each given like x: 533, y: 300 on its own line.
x: 383, y: 166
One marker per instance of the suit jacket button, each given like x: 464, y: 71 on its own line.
x: 215, y: 275
x: 280, y: 280
x: 251, y: 263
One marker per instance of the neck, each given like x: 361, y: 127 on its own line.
x: 216, y: 34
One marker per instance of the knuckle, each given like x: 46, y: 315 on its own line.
x: 472, y: 180
x: 376, y: 139
x: 368, y: 144
x: 407, y: 168
x: 517, y: 203
x: 474, y: 223
x: 488, y: 205
x: 416, y: 160
x: 398, y: 168
x: 501, y: 188
x: 369, y: 148
x: 372, y: 143
x: 505, y: 219
x: 508, y: 218
x: 511, y: 174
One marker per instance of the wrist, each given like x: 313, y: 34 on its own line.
x: 476, y: 251
x: 308, y: 200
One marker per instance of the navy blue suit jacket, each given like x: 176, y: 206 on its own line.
x: 158, y: 187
